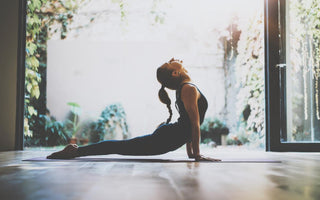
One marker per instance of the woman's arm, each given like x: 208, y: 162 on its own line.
x: 189, y: 97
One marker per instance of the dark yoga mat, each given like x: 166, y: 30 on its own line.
x: 157, y: 160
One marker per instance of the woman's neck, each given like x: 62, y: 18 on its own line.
x: 185, y: 80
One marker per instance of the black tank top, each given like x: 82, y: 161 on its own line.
x: 202, y: 106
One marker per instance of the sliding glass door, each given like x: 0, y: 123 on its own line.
x: 293, y: 75
x: 302, y: 71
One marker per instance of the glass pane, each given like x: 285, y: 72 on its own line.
x: 302, y: 70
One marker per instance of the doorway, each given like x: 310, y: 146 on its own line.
x: 94, y: 57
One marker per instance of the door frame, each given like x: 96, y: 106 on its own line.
x: 19, y: 131
x: 274, y: 123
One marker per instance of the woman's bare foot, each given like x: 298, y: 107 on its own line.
x: 70, y: 151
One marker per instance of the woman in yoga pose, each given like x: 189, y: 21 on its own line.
x: 191, y: 105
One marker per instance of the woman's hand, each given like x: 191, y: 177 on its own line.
x: 200, y: 158
x: 191, y: 156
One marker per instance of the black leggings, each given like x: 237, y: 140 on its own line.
x: 166, y: 138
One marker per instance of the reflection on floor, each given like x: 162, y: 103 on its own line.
x: 297, y: 176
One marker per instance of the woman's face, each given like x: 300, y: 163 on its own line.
x: 176, y: 66
x: 172, y: 74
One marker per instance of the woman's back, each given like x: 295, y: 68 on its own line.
x: 202, y: 106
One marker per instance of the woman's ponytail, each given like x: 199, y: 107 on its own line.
x: 164, y: 98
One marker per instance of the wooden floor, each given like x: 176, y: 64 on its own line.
x: 296, y: 177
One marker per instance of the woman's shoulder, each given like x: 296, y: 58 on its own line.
x: 189, y: 89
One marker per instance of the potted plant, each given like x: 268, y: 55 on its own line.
x: 85, y: 132
x: 214, y: 130
x: 72, y: 123
x: 111, y: 120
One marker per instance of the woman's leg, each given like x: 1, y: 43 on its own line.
x: 161, y: 141
x: 143, y: 145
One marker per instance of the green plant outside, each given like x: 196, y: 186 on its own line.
x: 72, y: 123
x: 212, y: 129
x: 54, y: 133
x: 112, y: 116
x: 43, y: 19
x: 41, y: 16
x: 250, y: 79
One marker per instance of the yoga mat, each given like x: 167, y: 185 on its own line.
x: 146, y: 160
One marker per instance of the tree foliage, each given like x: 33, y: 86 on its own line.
x: 244, y: 70
x: 250, y: 76
x: 44, y: 17
x: 244, y: 80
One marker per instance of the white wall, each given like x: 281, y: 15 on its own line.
x: 95, y: 74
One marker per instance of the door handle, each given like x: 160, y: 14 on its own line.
x: 282, y: 65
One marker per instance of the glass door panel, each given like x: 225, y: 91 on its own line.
x: 299, y: 77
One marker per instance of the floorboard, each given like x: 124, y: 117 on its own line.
x: 297, y: 176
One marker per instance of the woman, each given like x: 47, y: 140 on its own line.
x: 191, y: 105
